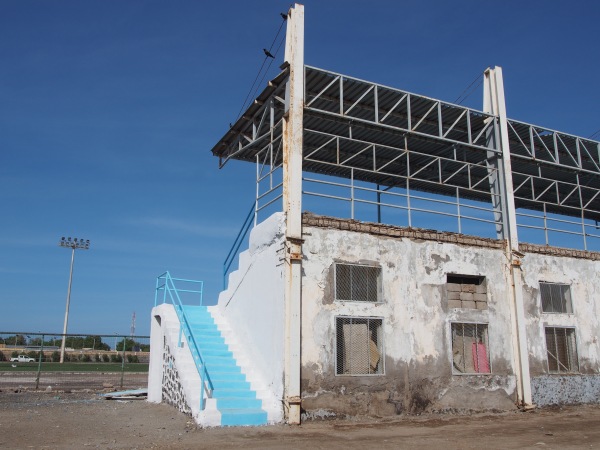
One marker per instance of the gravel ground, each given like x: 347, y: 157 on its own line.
x: 52, y: 420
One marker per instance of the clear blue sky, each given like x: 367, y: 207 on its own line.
x: 109, y: 109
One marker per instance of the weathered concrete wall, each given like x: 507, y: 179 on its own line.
x: 565, y: 389
x: 253, y: 303
x: 416, y: 323
x: 581, y: 275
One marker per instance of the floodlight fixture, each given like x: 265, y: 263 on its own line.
x: 73, y: 244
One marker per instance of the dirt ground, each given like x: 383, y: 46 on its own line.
x: 53, y: 420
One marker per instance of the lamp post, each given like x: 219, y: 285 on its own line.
x: 73, y: 244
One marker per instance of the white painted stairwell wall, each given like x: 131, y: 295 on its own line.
x: 181, y: 386
x: 253, y: 304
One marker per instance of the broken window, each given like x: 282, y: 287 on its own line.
x: 470, y: 350
x: 466, y: 291
x: 561, y: 348
x: 359, y: 346
x: 556, y: 298
x: 357, y: 283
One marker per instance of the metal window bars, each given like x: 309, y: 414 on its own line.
x: 556, y: 298
x: 359, y: 346
x: 357, y: 283
x: 470, y: 348
x: 561, y: 350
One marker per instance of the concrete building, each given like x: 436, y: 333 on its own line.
x: 410, y: 290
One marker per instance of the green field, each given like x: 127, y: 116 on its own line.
x: 73, y: 367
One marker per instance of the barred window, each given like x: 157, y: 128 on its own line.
x: 562, y: 350
x: 357, y: 283
x: 359, y: 346
x: 470, y: 348
x: 556, y: 298
x: 466, y: 291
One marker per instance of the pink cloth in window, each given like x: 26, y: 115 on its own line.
x: 480, y: 359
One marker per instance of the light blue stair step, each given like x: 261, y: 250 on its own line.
x: 229, y: 384
x: 250, y: 416
x: 233, y: 393
x: 224, y: 353
x: 238, y: 402
x: 208, y: 340
x: 214, y: 360
x: 227, y: 376
x: 215, y: 369
x: 204, y: 329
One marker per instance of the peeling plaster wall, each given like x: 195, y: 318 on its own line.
x: 416, y: 326
x: 582, y: 276
x: 254, y: 304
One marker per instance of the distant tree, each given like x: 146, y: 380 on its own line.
x: 105, y: 358
x: 17, y: 339
x: 132, y: 346
x: 35, y: 341
x: 55, y: 356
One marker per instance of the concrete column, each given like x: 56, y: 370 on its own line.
x: 292, y: 206
x: 494, y: 103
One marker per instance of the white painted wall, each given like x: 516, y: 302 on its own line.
x: 415, y: 315
x: 253, y: 304
x: 582, y: 276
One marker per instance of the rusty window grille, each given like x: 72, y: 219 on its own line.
x: 359, y: 346
x: 470, y: 348
x: 556, y: 298
x: 562, y: 350
x: 357, y: 283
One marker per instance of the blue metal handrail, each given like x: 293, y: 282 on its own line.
x: 233, y: 251
x: 166, y: 284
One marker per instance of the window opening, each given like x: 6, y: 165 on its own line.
x: 556, y: 298
x: 470, y: 352
x: 466, y: 291
x: 357, y: 283
x: 562, y: 350
x: 359, y: 346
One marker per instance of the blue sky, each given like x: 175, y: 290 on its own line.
x: 109, y: 109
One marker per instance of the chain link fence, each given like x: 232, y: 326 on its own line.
x: 32, y: 361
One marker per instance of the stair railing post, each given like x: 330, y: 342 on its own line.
x: 202, y: 387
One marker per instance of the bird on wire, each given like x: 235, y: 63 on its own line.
x: 268, y: 53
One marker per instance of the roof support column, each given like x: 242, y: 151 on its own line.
x: 292, y: 206
x: 494, y: 103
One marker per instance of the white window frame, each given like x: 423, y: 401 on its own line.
x: 488, y: 347
x: 572, y: 360
x: 379, y: 282
x: 380, y: 346
x: 568, y: 302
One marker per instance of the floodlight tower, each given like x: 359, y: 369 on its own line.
x: 73, y: 244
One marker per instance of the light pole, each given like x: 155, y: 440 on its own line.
x: 73, y: 244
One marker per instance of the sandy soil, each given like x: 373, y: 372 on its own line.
x: 83, y: 420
